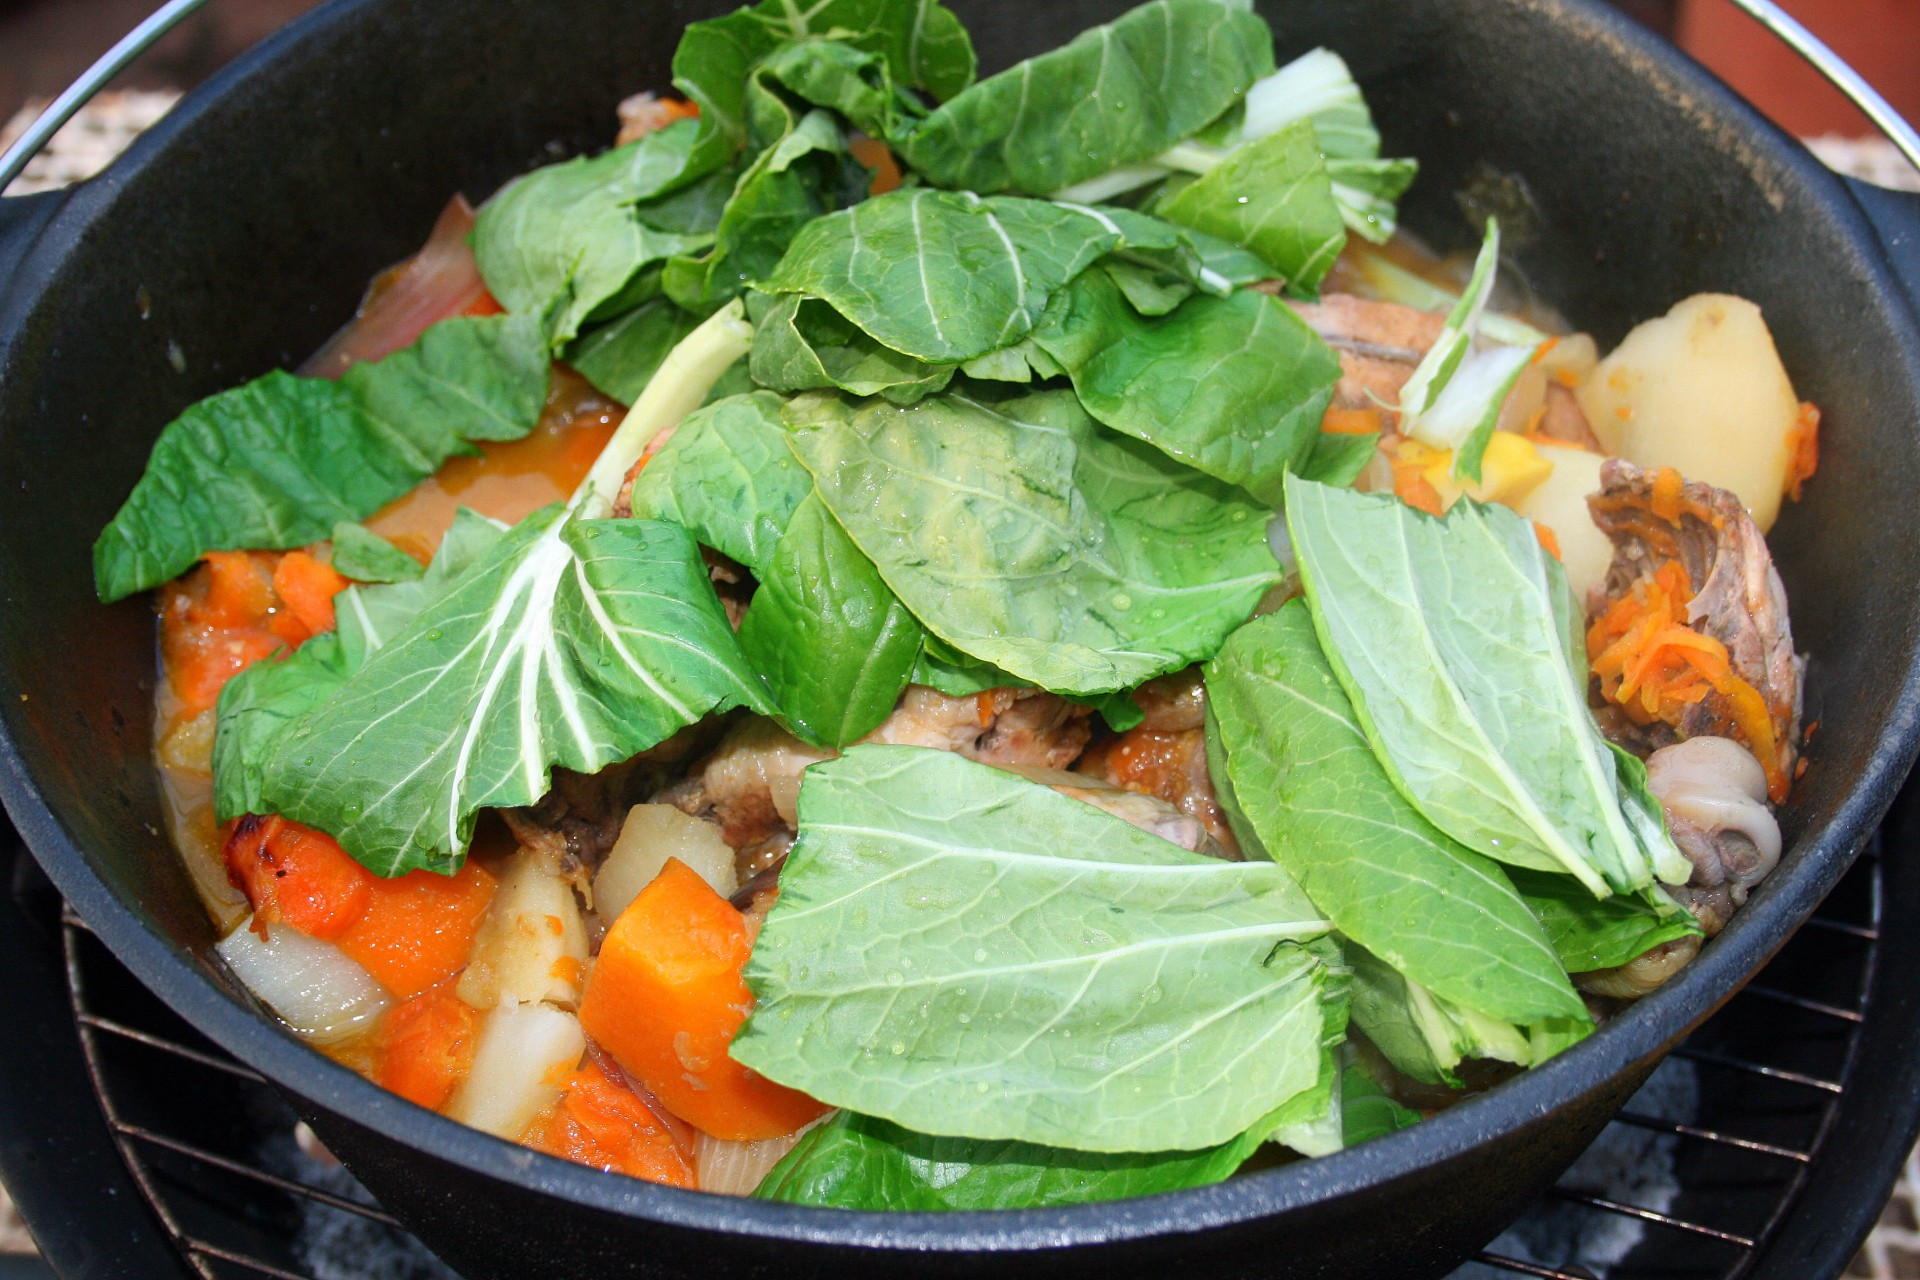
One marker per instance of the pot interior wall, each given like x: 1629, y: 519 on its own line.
x: 235, y: 239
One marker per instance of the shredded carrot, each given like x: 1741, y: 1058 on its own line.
x: 1652, y: 663
x: 1803, y: 449
x: 1544, y: 348
x: 1669, y: 493
x: 1567, y: 378
x: 1413, y: 488
x: 1548, y: 539
x: 427, y: 1047
x: 600, y: 1122
x: 294, y: 874
x: 983, y: 703
x: 1350, y: 422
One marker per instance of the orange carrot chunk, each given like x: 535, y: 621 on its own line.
x: 297, y: 876
x: 665, y: 999
x: 306, y: 588
x: 428, y: 1047
x: 418, y: 928
x: 600, y: 1122
x: 239, y: 590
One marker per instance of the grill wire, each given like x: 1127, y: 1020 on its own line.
x: 194, y: 1126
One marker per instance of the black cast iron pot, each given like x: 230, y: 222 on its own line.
x: 235, y: 236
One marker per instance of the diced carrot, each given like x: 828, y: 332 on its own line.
x: 1350, y: 422
x: 427, y: 1047
x: 296, y: 875
x: 600, y: 1122
x: 665, y: 998
x: 1803, y: 449
x: 306, y: 587
x: 240, y: 589
x: 418, y: 928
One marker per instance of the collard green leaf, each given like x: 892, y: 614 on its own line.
x: 923, y: 44
x: 802, y: 344
x: 727, y: 475
x: 572, y: 643
x: 1025, y: 536
x: 1367, y: 1111
x: 858, y: 1162
x: 967, y: 953
x: 1591, y: 933
x: 365, y: 556
x: 1325, y: 810
x: 1368, y: 193
x: 277, y: 462
x: 564, y: 243
x: 1427, y: 1036
x: 834, y: 644
x: 1339, y: 457
x: 1447, y: 636
x: 259, y: 705
x: 621, y: 356
x: 856, y: 85
x: 790, y: 184
x: 1115, y: 95
x: 1273, y: 197
x: 943, y: 276
x: 1232, y: 386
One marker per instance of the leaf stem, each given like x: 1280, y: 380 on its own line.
x: 681, y: 385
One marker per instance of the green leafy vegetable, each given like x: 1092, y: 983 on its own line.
x: 802, y: 344
x: 1368, y: 193
x: 1233, y: 386
x: 1367, y: 1111
x: 1115, y: 95
x: 1339, y: 457
x: 943, y: 276
x: 1591, y: 933
x: 1427, y: 1036
x: 1451, y: 637
x: 575, y: 643
x: 260, y: 704
x: 621, y: 356
x: 365, y: 556
x: 1305, y: 778
x: 835, y: 646
x: 964, y: 952
x: 1024, y: 536
x: 564, y: 243
x: 1274, y: 197
x: 278, y: 462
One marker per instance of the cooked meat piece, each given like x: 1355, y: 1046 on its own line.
x: 1643, y: 973
x: 1652, y: 518
x: 623, y: 501
x: 1000, y: 726
x: 1173, y: 703
x: 1170, y: 764
x: 1379, y: 345
x: 1564, y: 419
x: 577, y: 821
x: 731, y: 582
x: 748, y: 785
x: 1149, y: 813
x: 1715, y: 796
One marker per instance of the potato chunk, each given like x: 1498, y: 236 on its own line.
x: 651, y: 834
x: 1701, y: 390
x: 1560, y: 503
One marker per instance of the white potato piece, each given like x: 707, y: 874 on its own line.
x: 651, y: 834
x: 533, y: 944
x: 1560, y: 503
x: 1701, y: 390
x: 524, y: 1051
x: 318, y: 989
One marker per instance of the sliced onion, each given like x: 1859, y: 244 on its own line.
x: 317, y: 988
x: 738, y: 1168
x: 439, y: 281
x: 519, y: 1067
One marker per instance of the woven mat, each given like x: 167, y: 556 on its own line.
x: 105, y: 127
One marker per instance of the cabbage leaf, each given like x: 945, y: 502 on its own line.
x: 1025, y: 536
x: 970, y: 954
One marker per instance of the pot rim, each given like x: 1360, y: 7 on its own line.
x: 1643, y: 1032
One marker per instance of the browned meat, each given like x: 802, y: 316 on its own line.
x: 1379, y: 345
x: 1643, y: 973
x: 1169, y: 763
x: 749, y: 785
x: 1000, y: 726
x: 1564, y: 419
x: 623, y: 501
x: 576, y: 823
x: 1737, y: 596
x: 1149, y: 813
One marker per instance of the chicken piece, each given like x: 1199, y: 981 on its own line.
x: 1654, y: 517
x: 1149, y: 813
x: 1168, y: 763
x: 1379, y: 345
x: 1715, y: 797
x: 748, y: 786
x: 1000, y: 726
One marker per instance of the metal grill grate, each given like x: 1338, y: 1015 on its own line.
x: 1773, y: 1066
